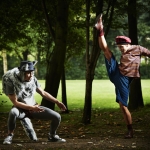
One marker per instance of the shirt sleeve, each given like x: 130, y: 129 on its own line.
x: 8, y: 87
x: 36, y: 83
x: 144, y: 51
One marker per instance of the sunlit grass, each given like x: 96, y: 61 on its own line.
x: 103, y: 94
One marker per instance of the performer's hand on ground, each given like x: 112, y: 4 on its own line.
x: 99, y: 24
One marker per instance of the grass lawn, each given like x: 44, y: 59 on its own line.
x: 103, y: 95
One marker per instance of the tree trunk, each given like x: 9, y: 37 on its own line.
x: 87, y: 105
x: 25, y: 54
x: 135, y: 96
x: 4, y: 55
x: 92, y: 54
x: 63, y: 87
x: 54, y: 68
x: 88, y: 99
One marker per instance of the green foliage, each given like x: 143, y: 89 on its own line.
x: 100, y: 70
x: 145, y: 71
x: 2, y: 99
x: 24, y: 29
x: 76, y: 68
x: 13, y: 15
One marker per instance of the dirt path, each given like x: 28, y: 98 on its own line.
x: 81, y: 144
x: 105, y: 132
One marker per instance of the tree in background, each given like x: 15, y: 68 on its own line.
x: 56, y: 62
x: 135, y: 96
x: 64, y: 44
x: 33, y: 26
x: 21, y: 32
x: 92, y: 54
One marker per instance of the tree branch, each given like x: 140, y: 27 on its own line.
x: 48, y: 20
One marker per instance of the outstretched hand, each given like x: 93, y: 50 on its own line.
x: 61, y: 106
x: 99, y: 24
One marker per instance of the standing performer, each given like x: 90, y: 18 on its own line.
x: 122, y: 74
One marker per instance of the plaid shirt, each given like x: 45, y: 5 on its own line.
x: 130, y: 61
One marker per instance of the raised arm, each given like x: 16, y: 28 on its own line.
x: 102, y: 40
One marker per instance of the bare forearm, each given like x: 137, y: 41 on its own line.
x: 102, y: 43
x: 18, y: 104
x: 23, y: 106
x: 49, y: 97
x: 102, y: 40
x: 104, y: 47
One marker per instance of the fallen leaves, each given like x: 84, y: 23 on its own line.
x: 106, y: 131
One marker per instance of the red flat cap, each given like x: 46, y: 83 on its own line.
x: 122, y: 40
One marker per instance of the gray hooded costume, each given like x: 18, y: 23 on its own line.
x: 13, y: 82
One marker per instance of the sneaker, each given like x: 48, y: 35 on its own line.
x: 8, y: 139
x: 28, y: 128
x: 55, y: 138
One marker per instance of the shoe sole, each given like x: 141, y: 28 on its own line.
x: 5, y: 143
x: 59, y: 141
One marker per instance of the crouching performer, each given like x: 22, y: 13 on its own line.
x: 20, y: 84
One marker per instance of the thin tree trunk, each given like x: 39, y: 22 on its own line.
x: 4, y: 55
x: 92, y: 54
x: 87, y: 105
x: 63, y: 86
x: 25, y: 54
x: 92, y: 57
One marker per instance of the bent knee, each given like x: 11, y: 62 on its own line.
x: 14, y: 112
x: 57, y: 117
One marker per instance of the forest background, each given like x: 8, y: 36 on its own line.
x: 24, y: 35
x: 59, y: 34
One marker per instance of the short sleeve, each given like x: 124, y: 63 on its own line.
x: 8, y: 87
x: 36, y: 83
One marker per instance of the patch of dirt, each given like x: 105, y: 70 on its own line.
x: 105, y: 132
x: 80, y: 144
